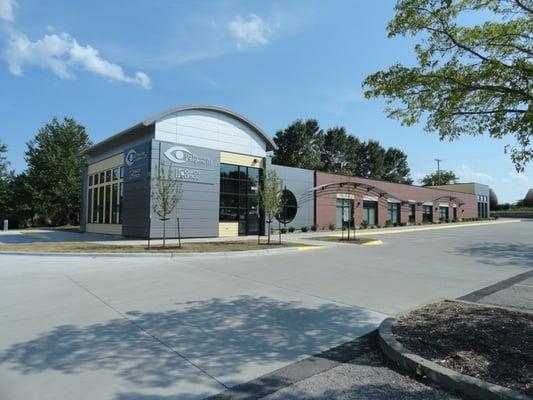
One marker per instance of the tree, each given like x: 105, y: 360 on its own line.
x: 54, y: 170
x: 395, y: 167
x: 334, y: 154
x: 21, y: 202
x: 372, y: 158
x: 354, y: 151
x: 271, y: 197
x: 299, y: 145
x: 443, y: 177
x: 493, y: 199
x: 4, y: 182
x: 469, y: 79
x: 528, y: 199
x: 166, y: 194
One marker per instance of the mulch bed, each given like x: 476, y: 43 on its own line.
x: 491, y: 344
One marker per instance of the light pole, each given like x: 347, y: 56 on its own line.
x: 438, y: 170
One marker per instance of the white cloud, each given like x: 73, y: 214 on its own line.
x: 252, y: 31
x: 468, y: 174
x: 516, y: 178
x: 7, y: 10
x: 62, y: 54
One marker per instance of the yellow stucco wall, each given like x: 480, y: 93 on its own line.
x: 240, y: 159
x: 228, y: 229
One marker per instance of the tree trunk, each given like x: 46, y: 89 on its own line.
x: 164, y: 232
x: 268, y: 241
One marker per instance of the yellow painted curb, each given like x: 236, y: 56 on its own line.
x: 303, y: 248
x: 372, y: 243
x: 381, y: 231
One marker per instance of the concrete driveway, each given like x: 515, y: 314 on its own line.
x: 131, y: 328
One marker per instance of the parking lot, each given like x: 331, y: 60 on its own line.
x: 185, y: 328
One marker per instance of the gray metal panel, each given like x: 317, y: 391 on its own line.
x: 136, y: 191
x: 298, y: 181
x: 198, y: 170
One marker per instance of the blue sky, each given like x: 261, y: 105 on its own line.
x: 112, y: 64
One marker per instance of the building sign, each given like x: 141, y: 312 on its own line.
x: 190, y: 163
x: 136, y: 160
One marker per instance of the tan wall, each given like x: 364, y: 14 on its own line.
x: 108, y: 229
x: 228, y: 229
x: 240, y: 159
x: 108, y: 163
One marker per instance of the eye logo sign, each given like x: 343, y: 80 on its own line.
x: 181, y: 155
x: 178, y: 154
x: 130, y: 158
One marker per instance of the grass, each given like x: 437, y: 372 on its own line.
x: 357, y: 240
x: 192, y: 247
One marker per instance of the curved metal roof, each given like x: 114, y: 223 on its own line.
x: 270, y: 145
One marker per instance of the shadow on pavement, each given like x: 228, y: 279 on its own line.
x: 500, y: 254
x: 50, y: 236
x: 225, y: 338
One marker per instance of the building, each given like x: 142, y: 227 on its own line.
x: 482, y: 193
x: 219, y: 157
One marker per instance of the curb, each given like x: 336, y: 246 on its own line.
x: 469, y: 386
x: 168, y: 255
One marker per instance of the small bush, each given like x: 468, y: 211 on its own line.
x: 364, y: 225
x: 403, y: 224
x: 305, y: 228
x: 331, y: 227
x: 388, y: 223
x: 291, y: 229
x: 283, y: 230
x: 314, y: 227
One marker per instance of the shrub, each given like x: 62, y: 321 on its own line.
x: 388, y: 223
x: 364, y: 225
x: 314, y: 227
x: 283, y: 230
x: 332, y: 227
x: 291, y: 229
x: 305, y: 228
x: 403, y: 224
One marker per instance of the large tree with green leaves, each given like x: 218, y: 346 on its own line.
x: 299, y: 145
x: 395, y: 167
x: 55, y: 161
x: 471, y: 77
x: 371, y: 160
x: 336, y: 151
x: 4, y: 181
x: 442, y: 177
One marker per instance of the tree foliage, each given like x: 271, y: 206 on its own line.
x: 270, y: 197
x: 305, y: 145
x: 54, y: 170
x: 300, y: 145
x: 4, y: 182
x: 469, y: 78
x: 443, y: 177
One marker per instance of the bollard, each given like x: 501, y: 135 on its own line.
x: 6, y: 225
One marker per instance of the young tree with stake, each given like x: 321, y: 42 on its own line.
x: 270, y: 197
x: 166, y: 195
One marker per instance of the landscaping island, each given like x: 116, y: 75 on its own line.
x: 191, y: 247
x: 489, y: 343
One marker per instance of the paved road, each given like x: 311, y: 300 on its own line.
x: 185, y: 329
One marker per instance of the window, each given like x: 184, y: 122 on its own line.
x: 443, y: 213
x: 289, y: 207
x: 104, y: 197
x: 239, y: 186
x: 412, y: 213
x: 370, y: 212
x: 394, y: 213
x: 427, y: 214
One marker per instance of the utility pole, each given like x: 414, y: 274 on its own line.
x: 438, y: 170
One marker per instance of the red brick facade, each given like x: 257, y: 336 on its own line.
x: 329, y: 185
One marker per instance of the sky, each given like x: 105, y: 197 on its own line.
x: 111, y: 64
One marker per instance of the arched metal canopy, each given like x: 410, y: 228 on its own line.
x: 131, y: 131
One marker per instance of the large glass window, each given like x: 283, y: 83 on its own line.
x: 394, y: 213
x: 443, y: 213
x: 370, y: 212
x: 239, y: 186
x: 289, y: 207
x: 427, y: 214
x: 412, y: 213
x: 104, y: 197
x: 344, y: 214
